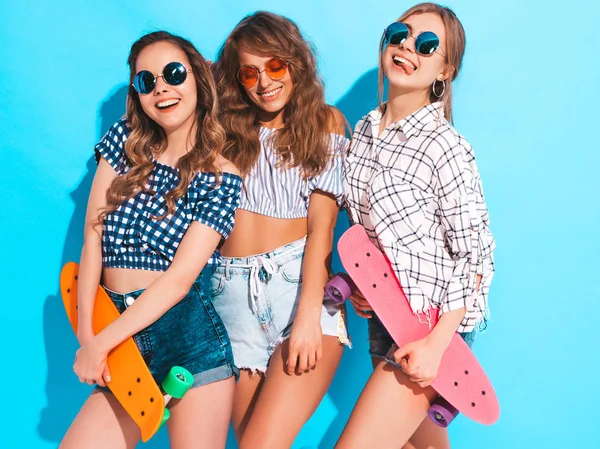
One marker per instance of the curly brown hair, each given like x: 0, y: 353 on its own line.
x: 456, y: 42
x: 305, y: 140
x: 148, y: 141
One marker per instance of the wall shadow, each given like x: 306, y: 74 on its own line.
x: 361, y: 98
x: 350, y: 379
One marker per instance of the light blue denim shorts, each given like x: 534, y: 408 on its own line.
x: 257, y: 299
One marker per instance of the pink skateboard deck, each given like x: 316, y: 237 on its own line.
x: 461, y: 379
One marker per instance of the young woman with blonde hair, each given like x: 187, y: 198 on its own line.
x: 411, y: 180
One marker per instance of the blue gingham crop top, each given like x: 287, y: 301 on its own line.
x: 283, y: 192
x: 132, y: 238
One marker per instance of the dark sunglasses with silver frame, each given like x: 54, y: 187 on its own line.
x: 174, y: 73
x: 426, y: 43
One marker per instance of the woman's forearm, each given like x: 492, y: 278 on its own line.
x: 446, y: 327
x: 322, y: 216
x: 90, y: 271
x: 165, y: 292
x: 448, y: 323
x: 317, y: 259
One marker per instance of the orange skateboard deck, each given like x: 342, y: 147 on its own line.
x: 132, y: 383
x: 460, y: 380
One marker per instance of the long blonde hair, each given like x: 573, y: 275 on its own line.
x: 456, y: 42
x: 305, y: 139
x: 148, y: 140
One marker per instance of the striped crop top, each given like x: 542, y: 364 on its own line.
x: 133, y: 238
x: 283, y: 192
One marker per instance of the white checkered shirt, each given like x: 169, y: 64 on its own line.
x: 417, y: 191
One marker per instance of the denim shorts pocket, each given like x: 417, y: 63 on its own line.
x: 291, y: 270
x: 144, y: 343
x: 469, y: 338
x: 217, y: 284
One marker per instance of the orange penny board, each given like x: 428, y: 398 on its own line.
x: 132, y: 383
x: 460, y: 379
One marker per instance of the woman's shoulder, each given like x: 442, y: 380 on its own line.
x: 226, y: 174
x: 443, y: 143
x: 121, y: 128
x: 444, y: 134
x: 336, y: 121
x: 374, y: 115
x: 112, y: 146
x: 225, y: 182
x: 224, y: 165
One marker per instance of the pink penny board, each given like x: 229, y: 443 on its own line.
x: 461, y: 379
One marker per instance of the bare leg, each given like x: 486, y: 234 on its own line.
x: 388, y: 411
x: 287, y: 402
x: 102, y: 422
x: 429, y: 436
x: 201, y: 417
x: 247, y: 390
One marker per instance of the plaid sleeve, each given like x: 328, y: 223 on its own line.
x: 216, y: 205
x: 112, y: 146
x: 485, y: 244
x: 463, y: 216
x: 330, y: 180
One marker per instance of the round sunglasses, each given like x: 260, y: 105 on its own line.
x: 426, y: 43
x: 174, y: 74
x: 275, y: 68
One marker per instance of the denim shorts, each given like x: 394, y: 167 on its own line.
x: 381, y: 344
x: 257, y: 299
x: 190, y: 335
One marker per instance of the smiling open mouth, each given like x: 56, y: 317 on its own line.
x: 270, y: 94
x: 167, y: 105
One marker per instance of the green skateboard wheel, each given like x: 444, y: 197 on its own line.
x: 178, y: 382
x: 166, y: 416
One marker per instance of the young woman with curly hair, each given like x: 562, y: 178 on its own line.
x: 160, y: 203
x: 288, y: 143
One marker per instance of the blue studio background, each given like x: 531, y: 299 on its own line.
x: 527, y: 100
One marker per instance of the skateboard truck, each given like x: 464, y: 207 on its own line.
x: 175, y: 385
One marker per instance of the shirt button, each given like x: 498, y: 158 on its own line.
x: 129, y: 300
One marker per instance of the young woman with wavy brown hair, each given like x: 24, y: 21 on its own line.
x: 160, y: 203
x: 289, y: 145
x: 412, y: 182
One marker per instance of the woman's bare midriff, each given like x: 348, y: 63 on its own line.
x: 252, y: 234
x: 125, y: 280
x: 256, y: 234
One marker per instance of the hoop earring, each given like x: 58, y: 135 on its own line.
x: 438, y: 96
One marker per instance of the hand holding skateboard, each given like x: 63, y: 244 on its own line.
x: 460, y: 381
x: 131, y: 381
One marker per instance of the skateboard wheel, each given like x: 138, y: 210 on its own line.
x: 340, y: 287
x: 442, y: 412
x: 165, y: 417
x: 178, y: 382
